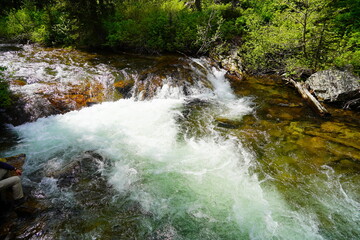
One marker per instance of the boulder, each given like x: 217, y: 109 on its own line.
x: 337, y: 87
x: 233, y: 63
x: 229, y: 58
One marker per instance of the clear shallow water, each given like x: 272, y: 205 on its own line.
x: 171, y: 172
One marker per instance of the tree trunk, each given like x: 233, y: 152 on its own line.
x: 304, y: 34
x: 198, y: 5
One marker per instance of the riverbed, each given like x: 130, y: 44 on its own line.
x: 184, y: 154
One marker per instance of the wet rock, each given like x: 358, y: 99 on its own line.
x: 82, y: 179
x: 351, y: 100
x: 336, y: 86
x: 228, y: 123
x: 233, y: 76
x: 49, y: 81
x: 124, y: 87
x: 89, y: 104
x: 230, y: 60
x: 80, y: 167
x: 148, y: 85
x: 32, y: 108
x: 50, y: 101
x: 173, y: 72
x: 30, y: 208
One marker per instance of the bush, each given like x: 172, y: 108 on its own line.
x: 3, y: 29
x: 166, y: 26
x: 25, y: 24
x: 64, y: 29
x: 349, y: 54
x: 185, y: 36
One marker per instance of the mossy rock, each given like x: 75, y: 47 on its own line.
x: 228, y: 123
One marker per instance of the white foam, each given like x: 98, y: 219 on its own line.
x: 207, y: 178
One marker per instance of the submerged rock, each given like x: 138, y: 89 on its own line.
x: 84, y: 166
x: 228, y: 123
x: 336, y: 86
x: 40, y: 218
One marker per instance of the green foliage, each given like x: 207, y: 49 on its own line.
x: 3, y: 28
x: 7, y: 5
x: 349, y: 53
x: 163, y: 26
x: 5, y: 94
x: 186, y: 31
x: 273, y: 35
x: 64, y: 30
x: 297, y: 34
x: 20, y: 24
x: 207, y: 34
x: 347, y: 20
x: 25, y: 24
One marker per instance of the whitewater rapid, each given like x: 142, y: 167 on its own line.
x: 188, y: 185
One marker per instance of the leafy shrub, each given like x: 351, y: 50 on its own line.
x: 349, y: 56
x: 185, y: 26
x: 63, y: 30
x: 3, y: 29
x: 165, y: 26
x: 19, y: 24
x: 26, y: 24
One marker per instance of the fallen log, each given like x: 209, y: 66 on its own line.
x: 311, y: 100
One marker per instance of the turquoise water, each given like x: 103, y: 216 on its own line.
x: 168, y: 171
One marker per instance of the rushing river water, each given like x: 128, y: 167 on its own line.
x: 219, y: 162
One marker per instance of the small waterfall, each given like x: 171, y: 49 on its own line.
x: 160, y: 168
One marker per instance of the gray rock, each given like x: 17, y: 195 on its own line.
x: 233, y: 62
x: 334, y: 85
x: 228, y: 56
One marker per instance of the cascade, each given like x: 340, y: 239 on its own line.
x: 160, y: 167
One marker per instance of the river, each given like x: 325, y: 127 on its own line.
x: 217, y: 160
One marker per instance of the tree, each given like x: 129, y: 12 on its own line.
x: 198, y: 5
x: 312, y: 17
x: 7, y: 5
x: 298, y: 34
x: 88, y: 16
